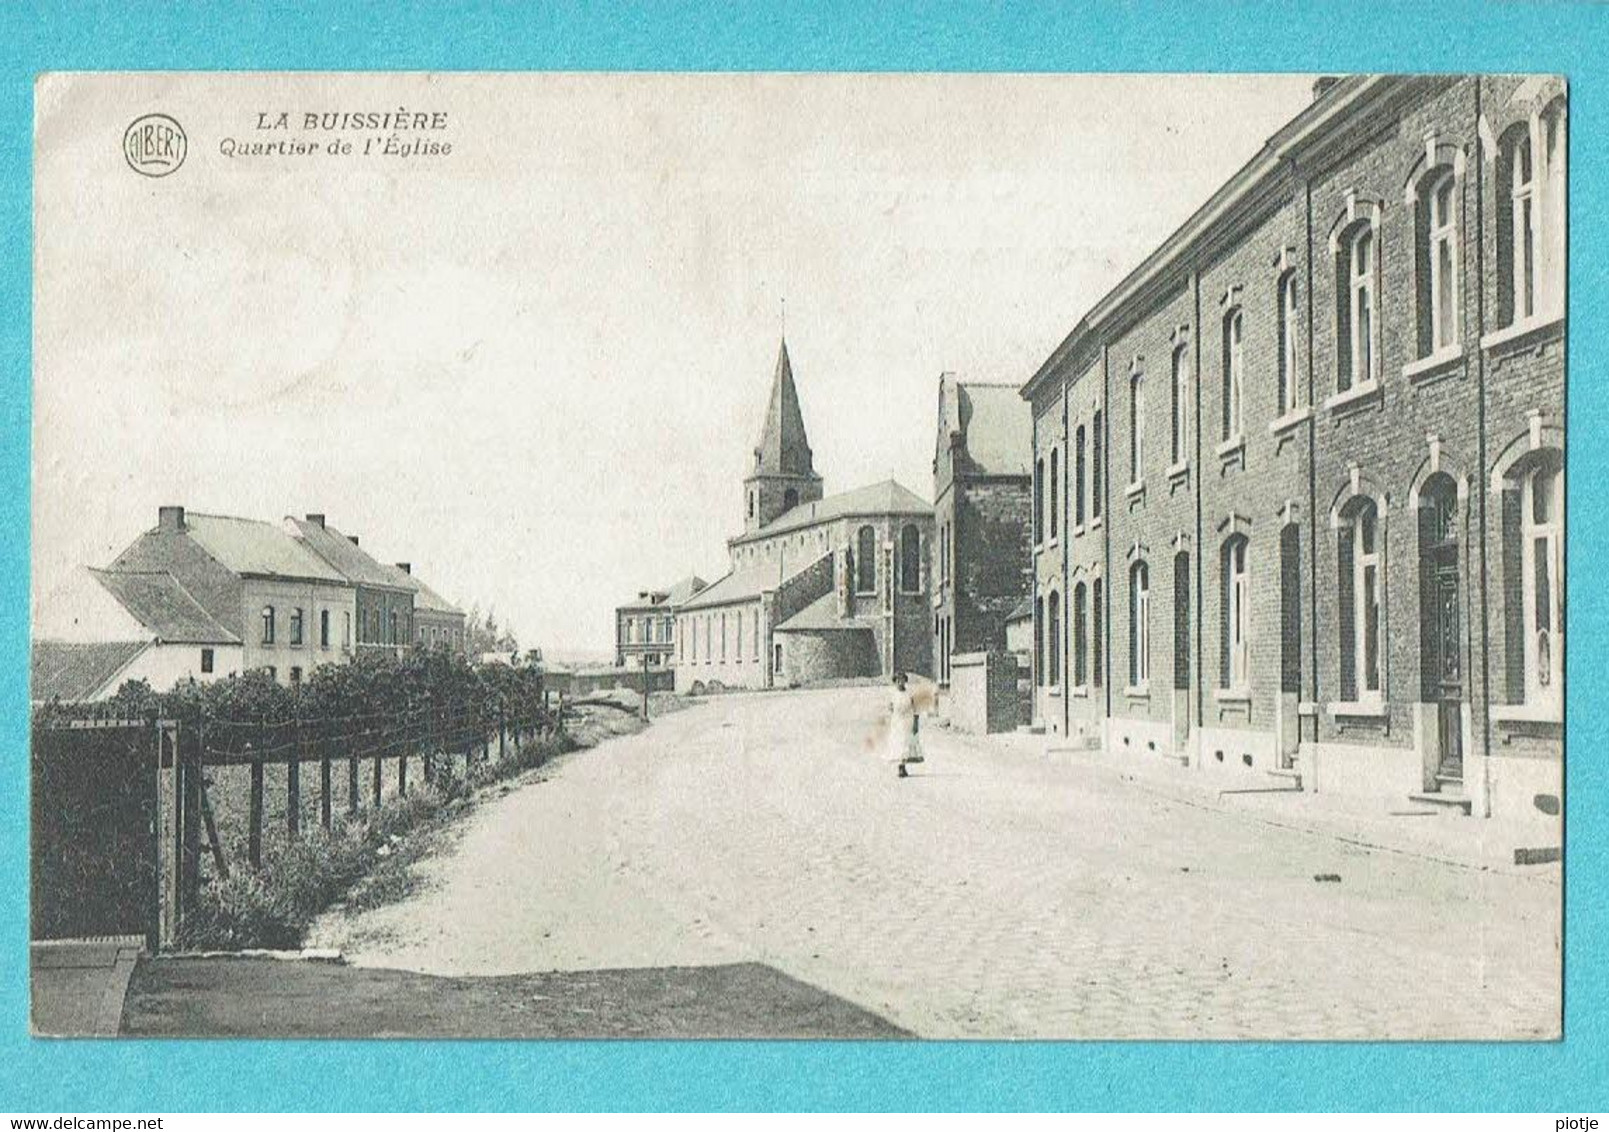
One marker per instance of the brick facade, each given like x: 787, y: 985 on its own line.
x: 1351, y: 552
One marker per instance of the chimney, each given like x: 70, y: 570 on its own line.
x: 316, y: 518
x: 405, y: 567
x: 170, y: 518
x: 354, y: 539
x: 1323, y: 84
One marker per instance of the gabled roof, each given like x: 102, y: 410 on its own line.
x: 161, y: 604
x: 1022, y: 611
x: 668, y: 598
x: 424, y: 598
x: 783, y: 449
x: 76, y: 671
x: 739, y: 585
x: 885, y: 498
x: 336, y: 549
x: 821, y: 616
x: 998, y: 426
x: 252, y: 547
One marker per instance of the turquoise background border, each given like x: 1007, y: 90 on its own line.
x: 1178, y: 35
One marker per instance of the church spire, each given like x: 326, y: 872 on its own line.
x: 784, y: 450
x: 784, y: 474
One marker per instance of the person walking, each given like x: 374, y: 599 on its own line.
x: 904, y: 740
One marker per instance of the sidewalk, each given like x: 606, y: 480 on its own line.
x: 1371, y: 823
x: 79, y: 985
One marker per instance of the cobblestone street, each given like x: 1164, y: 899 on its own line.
x: 996, y: 893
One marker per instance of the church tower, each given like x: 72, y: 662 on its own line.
x: 782, y: 476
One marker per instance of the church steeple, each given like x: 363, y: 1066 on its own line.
x: 783, y: 474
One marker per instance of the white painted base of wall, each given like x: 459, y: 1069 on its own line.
x: 1237, y: 751
x: 1140, y: 737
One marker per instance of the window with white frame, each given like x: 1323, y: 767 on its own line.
x: 1055, y: 496
x: 1440, y: 265
x: 1555, y: 154
x: 1541, y: 555
x: 1097, y: 485
x: 1522, y: 227
x: 1236, y: 667
x: 1355, y: 270
x: 1053, y: 615
x: 1039, y: 501
x: 1079, y: 490
x: 1234, y: 375
x: 1289, y: 336
x: 1181, y: 406
x: 1097, y: 632
x: 1361, y: 583
x: 1136, y: 427
x: 1139, y: 625
x: 1080, y: 636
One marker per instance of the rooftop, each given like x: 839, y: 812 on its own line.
x: 74, y: 671
x: 997, y: 423
x: 161, y: 604
x: 253, y: 547
x: 339, y: 551
x: 885, y: 498
x: 822, y: 615
x: 668, y: 598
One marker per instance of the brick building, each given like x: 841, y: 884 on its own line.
x: 646, y: 626
x: 982, y: 508
x: 1298, y: 478
x: 821, y: 586
x: 383, y: 601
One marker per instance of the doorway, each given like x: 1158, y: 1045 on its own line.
x: 1440, y: 624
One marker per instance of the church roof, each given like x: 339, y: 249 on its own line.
x: 822, y: 616
x: 783, y: 449
x: 886, y: 498
x: 740, y: 585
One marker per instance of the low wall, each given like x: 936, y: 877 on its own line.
x: 608, y: 679
x: 983, y: 695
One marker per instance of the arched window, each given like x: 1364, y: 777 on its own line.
x: 1078, y: 478
x: 1360, y: 582
x: 1039, y: 641
x: 1536, y: 548
x: 691, y: 630
x: 1053, y: 637
x: 1555, y: 153
x: 1234, y: 374
x: 1097, y: 634
x: 268, y: 624
x: 1289, y: 336
x: 1235, y: 660
x: 910, y: 559
x: 1080, y: 631
x: 1139, y: 625
x: 1039, y: 501
x: 1055, y: 497
x: 866, y: 561
x: 1097, y: 485
x: 1181, y: 406
x: 1137, y: 427
x: 1438, y: 266
x: 1356, y: 338
x: 1522, y: 225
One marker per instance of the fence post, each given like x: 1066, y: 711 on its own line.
x: 378, y: 771
x: 293, y: 783
x: 254, y: 819
x: 502, y: 730
x: 402, y: 766
x: 187, y: 754
x: 326, y: 809
x: 352, y: 783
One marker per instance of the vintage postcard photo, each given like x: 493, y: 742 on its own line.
x: 799, y: 556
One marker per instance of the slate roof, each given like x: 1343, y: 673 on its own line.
x: 347, y: 557
x: 161, y: 604
x: 252, y: 547
x: 820, y: 616
x: 885, y: 498
x: 75, y: 671
x: 997, y: 424
x: 783, y: 449
x: 674, y: 596
x: 739, y: 585
x: 424, y: 598
x: 1022, y: 611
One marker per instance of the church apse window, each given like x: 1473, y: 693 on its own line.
x: 910, y: 559
x: 866, y: 560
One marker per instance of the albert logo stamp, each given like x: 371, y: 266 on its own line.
x: 154, y: 145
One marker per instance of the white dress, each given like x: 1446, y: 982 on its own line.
x: 902, y: 741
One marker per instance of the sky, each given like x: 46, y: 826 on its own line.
x: 535, y: 366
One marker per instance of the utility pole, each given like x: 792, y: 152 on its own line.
x: 645, y: 687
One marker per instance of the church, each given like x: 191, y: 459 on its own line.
x: 821, y: 587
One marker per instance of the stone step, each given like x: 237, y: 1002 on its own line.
x: 1031, y: 729
x: 1444, y: 800
x: 1287, y: 774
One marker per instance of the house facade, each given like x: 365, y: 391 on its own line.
x: 982, y: 512
x: 1299, y: 477
x: 645, y: 629
x: 292, y: 611
x: 437, y: 622
x: 821, y: 586
x: 382, y: 602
